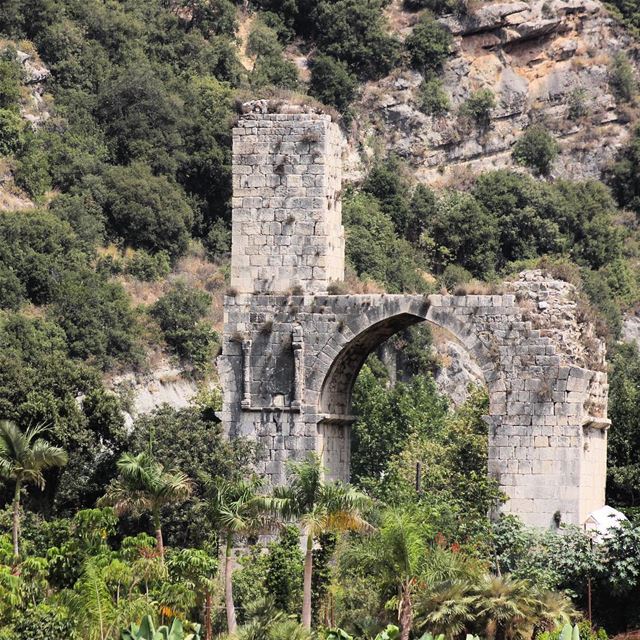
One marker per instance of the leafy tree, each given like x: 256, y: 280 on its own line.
x: 283, y: 578
x: 450, y: 239
x: 624, y: 441
x: 319, y: 508
x: 432, y: 98
x: 145, y: 485
x: 198, y: 568
x: 331, y: 82
x: 10, y: 80
x: 192, y: 438
x: 374, y: 249
x: 146, y: 211
x: 180, y: 314
x: 23, y: 458
x: 386, y: 418
x: 38, y: 248
x: 429, y: 44
x: 537, y: 149
x: 41, y: 384
x: 624, y: 175
x: 11, y: 132
x: 526, y: 214
x: 97, y: 318
x: 478, y: 107
x: 354, y: 32
x: 387, y: 181
x: 235, y: 511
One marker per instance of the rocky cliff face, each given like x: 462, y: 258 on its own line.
x: 546, y: 61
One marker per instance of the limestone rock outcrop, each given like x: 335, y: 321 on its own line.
x: 545, y: 61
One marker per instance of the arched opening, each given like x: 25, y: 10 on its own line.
x: 337, y: 388
x: 336, y: 396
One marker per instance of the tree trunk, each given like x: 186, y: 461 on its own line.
x: 158, y: 529
x: 405, y: 616
x: 16, y: 521
x: 208, y: 633
x: 306, y: 592
x: 228, y: 588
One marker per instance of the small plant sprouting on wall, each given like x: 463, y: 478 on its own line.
x: 311, y: 137
x: 267, y: 327
x: 337, y: 288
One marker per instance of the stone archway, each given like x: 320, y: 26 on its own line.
x: 291, y: 350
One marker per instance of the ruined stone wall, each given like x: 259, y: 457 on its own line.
x: 287, y: 219
x: 289, y: 361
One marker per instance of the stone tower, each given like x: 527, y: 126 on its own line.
x: 292, y: 351
x: 287, y: 229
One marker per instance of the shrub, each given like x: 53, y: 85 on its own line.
x: 32, y: 169
x: 11, y: 132
x: 12, y: 291
x: 429, y: 44
x: 218, y: 241
x: 331, y: 82
x: 577, y: 104
x: 274, y: 71
x: 622, y: 77
x: 10, y: 81
x: 537, y: 149
x: 454, y: 275
x: 84, y: 216
x: 263, y: 41
x: 438, y: 7
x: 270, y: 68
x: 433, y: 100
x: 146, y: 211
x: 148, y: 267
x: 478, y: 107
x: 355, y: 32
x: 97, y: 318
x: 180, y: 314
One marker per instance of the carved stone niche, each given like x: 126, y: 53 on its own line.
x: 273, y: 369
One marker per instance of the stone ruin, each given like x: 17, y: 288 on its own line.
x: 292, y: 348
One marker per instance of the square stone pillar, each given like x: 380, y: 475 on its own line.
x: 287, y: 232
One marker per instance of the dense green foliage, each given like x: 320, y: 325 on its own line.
x: 428, y: 45
x: 180, y: 314
x: 131, y: 178
x: 537, y: 149
x: 624, y: 394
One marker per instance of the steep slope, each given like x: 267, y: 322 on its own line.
x: 545, y: 61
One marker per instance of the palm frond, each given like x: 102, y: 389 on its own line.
x: 45, y: 455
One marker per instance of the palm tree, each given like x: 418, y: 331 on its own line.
x: 23, y: 458
x: 396, y: 555
x: 318, y: 508
x: 401, y: 560
x: 447, y: 608
x: 144, y: 485
x: 508, y: 607
x: 236, y: 510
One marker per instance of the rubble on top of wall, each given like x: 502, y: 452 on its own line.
x: 553, y: 307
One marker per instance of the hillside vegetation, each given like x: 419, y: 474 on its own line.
x: 115, y: 137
